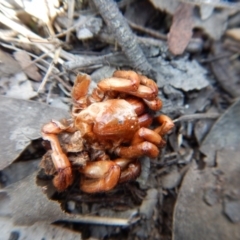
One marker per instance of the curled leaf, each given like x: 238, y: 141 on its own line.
x: 181, y: 29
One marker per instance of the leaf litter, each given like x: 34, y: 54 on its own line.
x: 52, y: 47
x: 220, y: 185
x: 28, y: 67
x: 21, y: 123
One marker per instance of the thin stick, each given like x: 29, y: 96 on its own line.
x: 124, y: 35
x: 105, y: 220
x: 70, y: 29
x: 63, y: 33
x: 45, y: 77
x: 148, y: 31
x: 30, y: 35
x: 71, y: 5
x: 64, y: 90
x: 69, y: 88
x: 32, y: 55
x: 56, y: 56
x: 197, y: 116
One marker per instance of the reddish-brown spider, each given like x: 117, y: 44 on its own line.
x: 108, y: 132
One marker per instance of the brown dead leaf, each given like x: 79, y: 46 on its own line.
x: 214, y: 24
x: 8, y: 65
x: 27, y: 66
x: 181, y: 29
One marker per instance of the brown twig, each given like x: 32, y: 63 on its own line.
x: 123, y: 34
x: 150, y: 32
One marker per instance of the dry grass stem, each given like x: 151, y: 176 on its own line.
x: 71, y: 6
x: 30, y: 36
x: 45, y: 77
x: 197, y: 116
x: 150, y: 32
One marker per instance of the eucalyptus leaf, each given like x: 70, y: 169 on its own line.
x: 21, y: 122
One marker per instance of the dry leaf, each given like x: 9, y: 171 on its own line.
x: 169, y: 6
x: 19, y: 87
x: 208, y: 199
x: 21, y: 122
x: 149, y: 203
x: 37, y: 231
x: 102, y: 73
x: 25, y: 61
x: 45, y: 11
x: 172, y: 179
x: 225, y: 69
x: 224, y: 134
x: 215, y: 25
x: 88, y: 27
x: 206, y: 11
x: 8, y: 65
x: 184, y: 74
x: 181, y: 29
x: 18, y: 171
x: 27, y: 204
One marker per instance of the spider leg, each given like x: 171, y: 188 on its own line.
x: 146, y: 134
x: 143, y: 92
x: 147, y: 90
x: 144, y: 119
x: 119, y: 84
x: 150, y: 84
x: 155, y: 104
x: 166, y: 125
x: 64, y: 177
x: 135, y: 151
x: 129, y: 82
x: 99, y: 176
x: 130, y: 169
